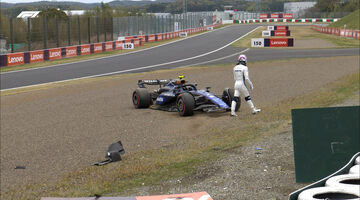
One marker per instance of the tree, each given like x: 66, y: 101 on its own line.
x: 53, y: 13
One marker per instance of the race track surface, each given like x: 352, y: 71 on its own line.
x: 191, y: 51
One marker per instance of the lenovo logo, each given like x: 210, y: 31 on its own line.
x: 70, y: 51
x: 85, y: 50
x: 55, y: 54
x: 12, y: 60
x: 37, y: 57
x: 278, y: 42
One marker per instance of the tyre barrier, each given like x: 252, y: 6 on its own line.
x: 345, y: 181
x: 19, y: 58
x: 339, y: 185
x: 355, y: 169
x: 330, y: 193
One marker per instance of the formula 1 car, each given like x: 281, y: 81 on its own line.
x: 176, y: 95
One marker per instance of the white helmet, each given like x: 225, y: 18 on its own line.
x: 243, y: 58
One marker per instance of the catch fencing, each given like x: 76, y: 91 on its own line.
x: 19, y: 35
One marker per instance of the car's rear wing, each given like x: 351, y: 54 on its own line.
x: 142, y: 83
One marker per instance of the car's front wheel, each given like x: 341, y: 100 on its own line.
x: 141, y: 98
x: 185, y: 104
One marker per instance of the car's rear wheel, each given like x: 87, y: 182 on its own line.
x: 141, y: 98
x: 185, y: 104
x: 228, y: 96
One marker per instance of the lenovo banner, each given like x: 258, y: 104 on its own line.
x: 119, y: 44
x: 274, y: 15
x: 287, y: 16
x: 36, y: 56
x: 85, y: 49
x: 280, y: 33
x: 263, y: 16
x: 136, y: 42
x: 98, y: 48
x: 108, y: 46
x: 15, y: 59
x: 53, y: 54
x: 151, y: 38
x: 70, y: 51
x: 279, y: 42
x: 281, y: 27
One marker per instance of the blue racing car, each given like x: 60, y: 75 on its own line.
x: 178, y: 96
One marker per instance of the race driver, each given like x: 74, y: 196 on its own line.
x: 241, y: 75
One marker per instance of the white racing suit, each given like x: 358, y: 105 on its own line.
x: 241, y: 75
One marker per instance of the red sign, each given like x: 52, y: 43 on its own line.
x: 279, y: 42
x: 71, y: 51
x: 193, y: 196
x: 263, y: 16
x: 280, y: 33
x: 282, y: 27
x: 54, y: 54
x: 119, y: 44
x: 36, y: 56
x: 15, y: 59
x: 274, y: 16
x: 98, y: 48
x: 85, y: 49
x: 151, y: 38
x: 159, y: 38
x: 288, y: 16
x: 108, y: 46
x: 136, y: 42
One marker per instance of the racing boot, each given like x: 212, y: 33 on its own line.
x: 233, y: 106
x: 233, y: 114
x: 255, y: 110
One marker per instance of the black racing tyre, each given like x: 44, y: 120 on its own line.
x: 141, y: 98
x: 228, y: 96
x: 185, y: 104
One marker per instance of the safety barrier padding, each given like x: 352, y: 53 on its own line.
x: 338, y: 31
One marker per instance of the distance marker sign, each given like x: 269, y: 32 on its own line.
x: 275, y: 42
x: 128, y: 46
x: 257, y: 42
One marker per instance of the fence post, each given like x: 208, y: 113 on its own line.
x: 104, y: 29
x: 68, y: 31
x: 45, y: 31
x: 29, y: 33
x: 89, y: 34
x: 97, y: 29
x: 57, y: 30
x: 112, y: 29
x: 11, y: 35
x: 79, y: 30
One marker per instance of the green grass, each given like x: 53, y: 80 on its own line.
x: 352, y: 21
x: 181, y: 160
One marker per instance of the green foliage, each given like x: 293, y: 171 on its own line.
x: 53, y: 13
x: 352, y: 21
x: 337, y: 6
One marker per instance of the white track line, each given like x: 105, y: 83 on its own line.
x: 137, y: 51
x: 140, y: 68
x: 222, y: 58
